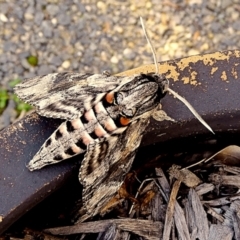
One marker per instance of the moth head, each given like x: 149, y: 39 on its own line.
x: 136, y: 97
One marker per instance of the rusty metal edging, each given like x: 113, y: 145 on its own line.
x: 209, y: 82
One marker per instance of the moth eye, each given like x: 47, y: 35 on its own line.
x: 129, y: 112
x: 119, y: 97
x: 124, y: 121
x: 109, y: 97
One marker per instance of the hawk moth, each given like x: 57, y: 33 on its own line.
x: 105, y: 118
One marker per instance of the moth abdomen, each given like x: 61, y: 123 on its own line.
x: 73, y: 137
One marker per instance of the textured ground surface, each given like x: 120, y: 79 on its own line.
x: 92, y: 36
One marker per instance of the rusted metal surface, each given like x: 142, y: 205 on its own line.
x: 209, y: 82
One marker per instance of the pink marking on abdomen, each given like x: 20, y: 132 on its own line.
x: 100, y: 108
x: 76, y: 149
x: 109, y: 124
x: 77, y: 124
x: 86, y: 139
x: 62, y: 128
x: 89, y: 115
x: 99, y: 130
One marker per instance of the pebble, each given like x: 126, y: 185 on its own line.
x: 129, y: 53
x: 114, y: 59
x: 66, y: 64
x: 3, y: 18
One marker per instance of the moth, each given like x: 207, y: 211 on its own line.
x: 105, y: 118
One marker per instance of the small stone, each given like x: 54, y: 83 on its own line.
x: 18, y: 70
x: 226, y: 3
x: 25, y: 37
x: 93, y: 47
x: 38, y: 18
x: 234, y: 15
x: 5, y: 67
x: 204, y: 47
x: 216, y: 27
x: 81, y: 7
x: 193, y: 52
x: 3, y: 18
x: 101, y: 5
x: 88, y: 8
x: 54, y: 21
x: 133, y: 8
x: 52, y: 9
x: 18, y: 12
x: 44, y: 69
x: 118, y: 29
x: 66, y: 64
x: 47, y: 29
x: 129, y: 53
x: 63, y: 19
x: 148, y: 5
x: 30, y: 74
x: 75, y: 64
x: 192, y: 2
x: 25, y: 63
x: 114, y: 59
x: 174, y: 45
x: 9, y: 46
x: 28, y: 16
x: 55, y: 60
x: 236, y: 25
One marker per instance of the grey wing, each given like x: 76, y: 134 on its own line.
x: 66, y: 95
x: 106, y: 164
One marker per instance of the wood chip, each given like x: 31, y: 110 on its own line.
x: 136, y: 226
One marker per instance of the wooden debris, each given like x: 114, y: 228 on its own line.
x: 220, y: 232
x: 157, y: 206
x: 170, y: 210
x: 184, y: 175
x: 179, y: 217
x: 145, y: 228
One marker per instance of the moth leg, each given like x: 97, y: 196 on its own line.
x: 160, y: 115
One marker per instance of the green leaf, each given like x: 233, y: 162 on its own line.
x: 32, y: 60
x: 3, y: 99
x: 20, y: 105
x: 14, y: 82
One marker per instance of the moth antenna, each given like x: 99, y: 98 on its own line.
x: 190, y: 107
x: 183, y: 100
x: 151, y: 46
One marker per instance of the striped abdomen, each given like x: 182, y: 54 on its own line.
x: 72, y: 137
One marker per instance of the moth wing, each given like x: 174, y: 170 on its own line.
x: 66, y: 95
x: 106, y: 164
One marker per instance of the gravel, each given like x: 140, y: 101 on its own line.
x: 93, y: 36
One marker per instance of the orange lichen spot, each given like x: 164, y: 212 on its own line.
x: 124, y: 121
x: 213, y: 70
x: 224, y: 76
x: 109, y: 97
